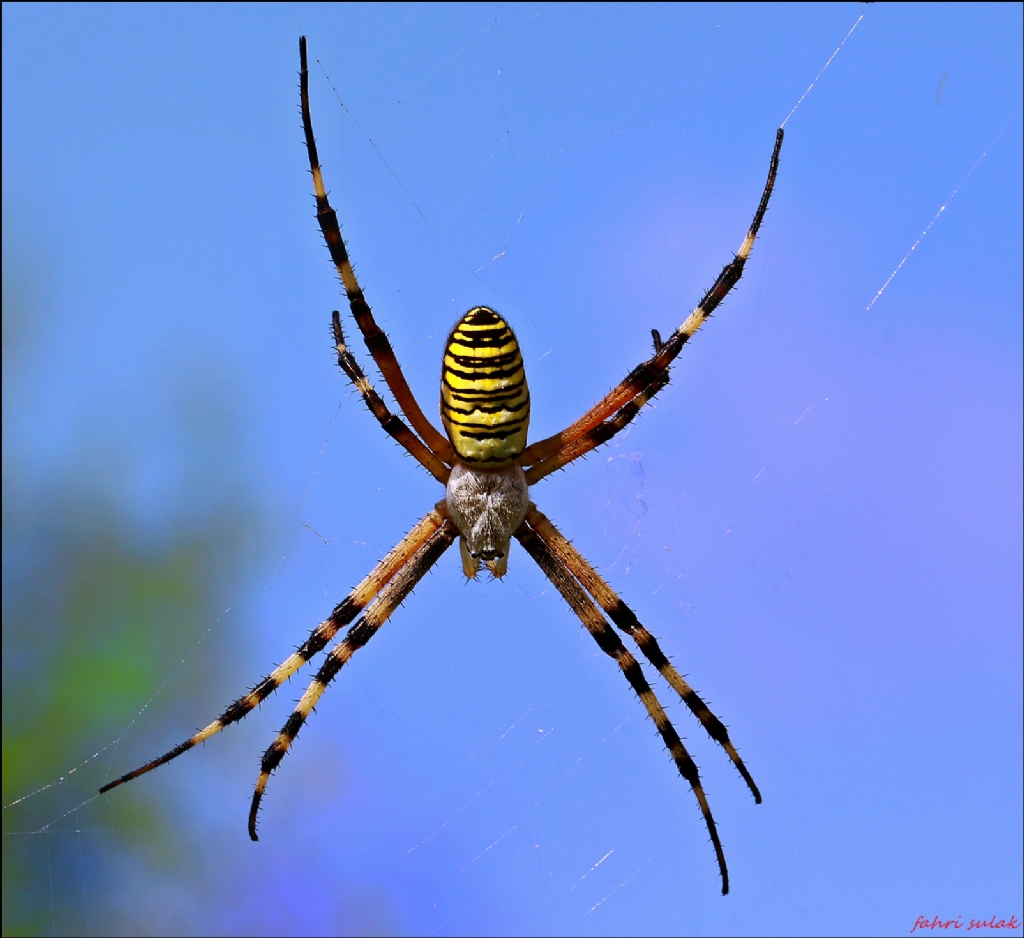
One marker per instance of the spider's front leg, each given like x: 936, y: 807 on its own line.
x: 624, y: 617
x: 611, y: 645
x: 375, y: 616
x: 347, y: 610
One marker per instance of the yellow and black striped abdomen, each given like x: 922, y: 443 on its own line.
x: 485, y: 403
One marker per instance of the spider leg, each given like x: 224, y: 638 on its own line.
x: 392, y: 425
x: 612, y: 646
x: 648, y: 378
x: 375, y: 616
x: 343, y: 613
x: 595, y: 436
x: 376, y: 341
x: 627, y: 621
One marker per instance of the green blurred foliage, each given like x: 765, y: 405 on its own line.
x: 98, y: 607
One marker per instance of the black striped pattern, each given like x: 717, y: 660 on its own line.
x: 485, y: 401
x: 611, y: 645
x: 342, y: 615
x: 623, y: 402
x: 626, y: 620
x: 391, y: 424
x: 389, y: 598
x: 376, y: 341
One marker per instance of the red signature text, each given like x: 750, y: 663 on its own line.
x: 973, y: 924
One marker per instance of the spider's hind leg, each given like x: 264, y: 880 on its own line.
x: 392, y: 425
x: 376, y: 341
x: 613, y: 412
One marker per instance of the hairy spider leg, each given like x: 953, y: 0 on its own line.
x: 611, y: 645
x: 545, y: 456
x: 392, y: 425
x: 342, y: 615
x: 596, y: 436
x: 376, y: 341
x: 626, y: 620
x: 375, y: 616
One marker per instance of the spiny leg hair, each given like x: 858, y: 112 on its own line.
x: 611, y: 645
x: 392, y: 425
x: 545, y: 456
x: 375, y: 616
x: 376, y: 341
x: 596, y: 436
x: 626, y: 620
x: 342, y: 615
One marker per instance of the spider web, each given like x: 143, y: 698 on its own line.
x: 512, y: 726
x: 79, y: 821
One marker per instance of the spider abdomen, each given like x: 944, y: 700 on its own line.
x: 485, y: 401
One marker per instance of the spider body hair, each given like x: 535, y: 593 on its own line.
x: 487, y: 506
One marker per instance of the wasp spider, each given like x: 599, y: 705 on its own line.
x: 487, y: 470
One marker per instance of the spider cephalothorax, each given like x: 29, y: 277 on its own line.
x: 487, y: 468
x: 487, y: 506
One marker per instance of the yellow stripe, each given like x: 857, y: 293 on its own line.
x: 485, y: 401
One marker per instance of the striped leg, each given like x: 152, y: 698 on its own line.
x: 392, y: 425
x: 612, y: 646
x: 627, y: 621
x: 343, y: 613
x: 385, y: 604
x: 647, y: 379
x: 595, y: 436
x: 376, y: 341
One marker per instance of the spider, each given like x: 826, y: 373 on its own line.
x: 487, y: 469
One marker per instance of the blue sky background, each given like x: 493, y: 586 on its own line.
x: 820, y: 517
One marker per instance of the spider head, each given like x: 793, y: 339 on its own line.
x: 486, y: 505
